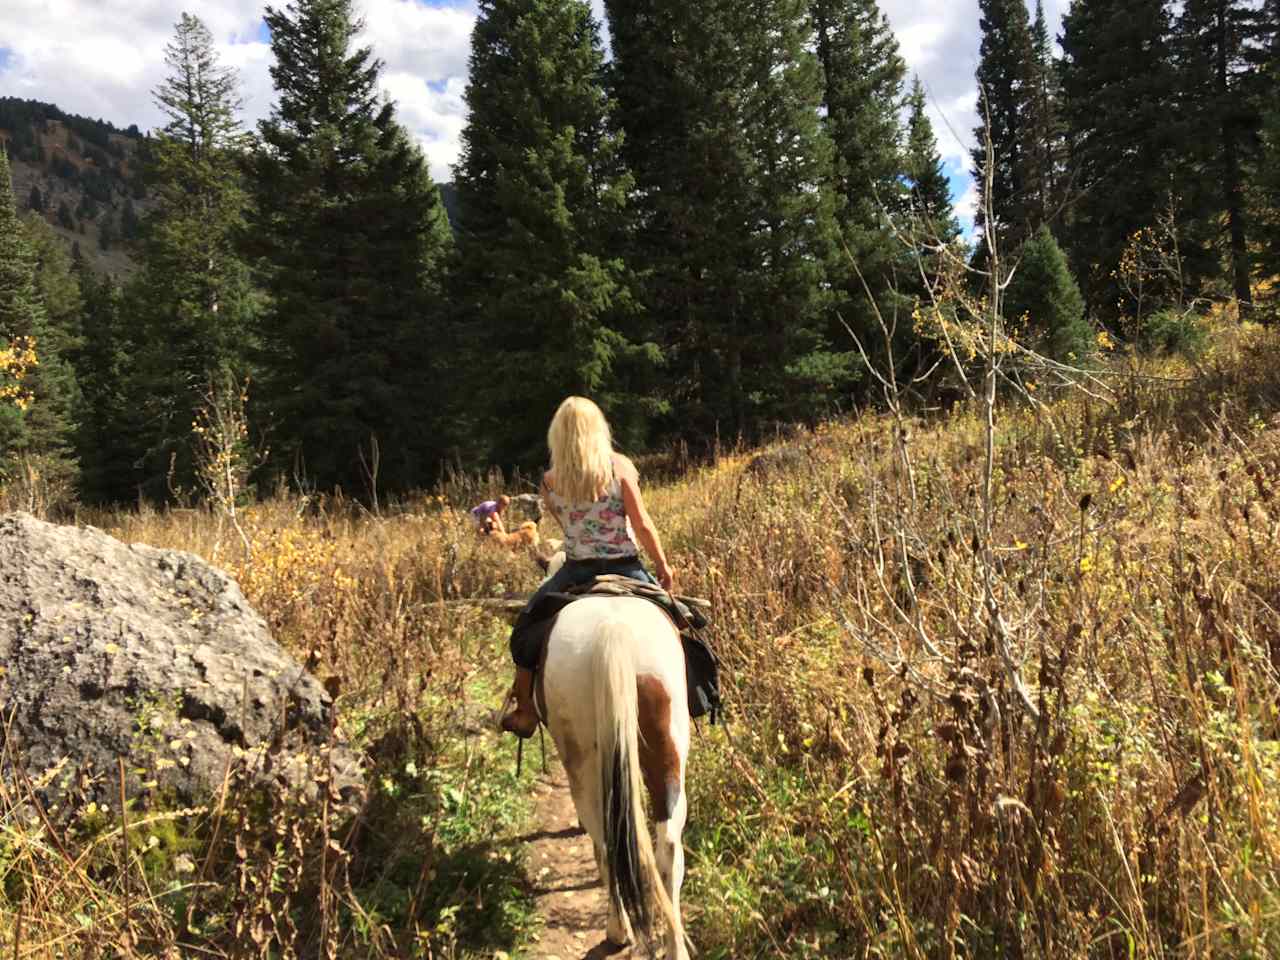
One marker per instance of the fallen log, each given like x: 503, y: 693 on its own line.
x: 488, y: 603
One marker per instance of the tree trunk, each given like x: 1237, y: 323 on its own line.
x: 1234, y: 200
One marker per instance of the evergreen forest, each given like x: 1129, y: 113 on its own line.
x: 714, y: 238
x: 983, y: 503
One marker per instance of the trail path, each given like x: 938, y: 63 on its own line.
x: 562, y: 872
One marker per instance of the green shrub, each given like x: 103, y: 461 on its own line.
x: 1172, y: 331
x: 1044, y: 291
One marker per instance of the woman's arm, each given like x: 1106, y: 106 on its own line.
x: 544, y: 491
x: 642, y: 523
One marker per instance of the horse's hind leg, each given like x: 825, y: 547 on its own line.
x: 580, y: 766
x: 617, y: 927
x: 662, y: 764
x: 670, y: 857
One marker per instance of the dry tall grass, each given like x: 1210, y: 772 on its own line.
x: 877, y: 796
x: 889, y: 793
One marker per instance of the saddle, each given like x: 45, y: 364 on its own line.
x: 702, y: 669
x: 684, y: 616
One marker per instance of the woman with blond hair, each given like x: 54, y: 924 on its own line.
x: 594, y: 493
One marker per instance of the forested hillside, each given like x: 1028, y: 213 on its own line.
x: 84, y: 177
x: 712, y: 238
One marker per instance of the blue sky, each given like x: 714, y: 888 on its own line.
x: 106, y: 64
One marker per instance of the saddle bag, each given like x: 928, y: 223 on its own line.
x: 702, y: 674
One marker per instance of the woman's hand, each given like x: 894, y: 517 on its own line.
x: 666, y: 576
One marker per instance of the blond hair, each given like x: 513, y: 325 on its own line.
x: 581, y: 451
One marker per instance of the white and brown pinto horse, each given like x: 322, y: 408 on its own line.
x: 616, y: 704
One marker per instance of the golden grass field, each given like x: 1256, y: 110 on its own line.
x: 885, y: 788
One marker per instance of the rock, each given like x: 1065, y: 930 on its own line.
x: 112, y: 650
x: 531, y: 504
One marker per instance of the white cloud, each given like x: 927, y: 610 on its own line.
x: 966, y: 206
x: 919, y: 42
x: 431, y: 42
x: 102, y: 58
x: 109, y: 64
x: 425, y: 51
x: 436, y: 116
x: 252, y: 60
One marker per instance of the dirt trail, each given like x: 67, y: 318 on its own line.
x: 562, y: 872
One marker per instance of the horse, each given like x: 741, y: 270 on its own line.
x: 614, y: 698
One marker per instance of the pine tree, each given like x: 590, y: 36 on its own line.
x: 541, y: 192
x: 1006, y: 90
x: 1045, y: 148
x: 1266, y: 169
x: 35, y: 200
x: 53, y: 415
x: 929, y: 190
x: 21, y: 312
x: 353, y: 236
x: 193, y: 296
x: 863, y: 74
x: 1267, y: 205
x: 41, y: 429
x: 1118, y: 83
x: 929, y: 221
x: 65, y: 219
x: 106, y: 232
x: 719, y: 103
x: 113, y: 437
x: 1044, y: 292
x: 129, y: 225
x: 1220, y: 115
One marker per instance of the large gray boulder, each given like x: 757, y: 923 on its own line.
x: 113, y: 650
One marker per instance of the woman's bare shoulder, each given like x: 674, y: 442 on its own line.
x: 623, y: 466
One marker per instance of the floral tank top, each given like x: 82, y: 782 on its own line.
x: 596, y: 531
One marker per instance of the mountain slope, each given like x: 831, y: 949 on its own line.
x: 82, y: 176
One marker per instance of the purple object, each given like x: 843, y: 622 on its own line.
x: 484, y: 511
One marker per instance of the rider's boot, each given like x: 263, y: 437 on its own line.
x: 522, y: 720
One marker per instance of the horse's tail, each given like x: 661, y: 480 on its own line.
x: 633, y: 872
